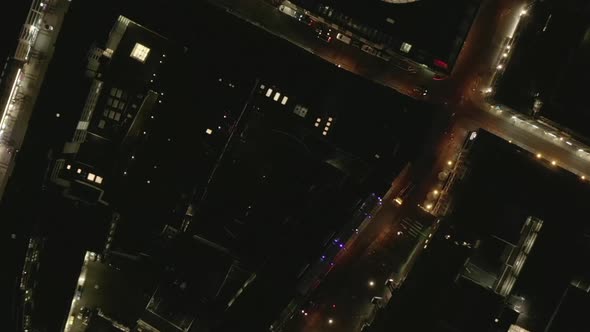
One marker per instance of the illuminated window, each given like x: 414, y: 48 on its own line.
x: 405, y: 47
x: 98, y: 179
x: 101, y: 124
x: 69, y: 167
x: 269, y: 92
x: 208, y: 131
x: 277, y: 96
x: 91, y: 177
x: 301, y: 111
x: 140, y: 52
x: 79, y: 171
x: 325, y: 133
x: 284, y: 101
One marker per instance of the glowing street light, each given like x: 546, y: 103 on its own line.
x: 428, y: 206
x: 449, y: 163
x: 553, y: 162
x: 330, y: 321
x: 539, y: 156
x: 371, y: 283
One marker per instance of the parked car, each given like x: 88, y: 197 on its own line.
x: 368, y: 49
x: 343, y: 38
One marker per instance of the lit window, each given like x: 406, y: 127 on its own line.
x: 317, y: 124
x: 117, y: 116
x: 328, y: 124
x: 325, y: 133
x: 101, y: 124
x: 277, y: 96
x: 330, y: 119
x: 208, y: 131
x: 98, y: 179
x: 140, y: 52
x: 79, y: 171
x: 301, y: 111
x: 91, y: 177
x: 326, y: 128
x: 318, y: 120
x: 269, y: 92
x: 69, y: 167
x: 405, y: 47
x: 284, y: 101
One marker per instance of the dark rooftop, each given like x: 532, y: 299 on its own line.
x: 551, y: 59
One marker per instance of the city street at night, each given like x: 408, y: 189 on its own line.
x: 295, y: 166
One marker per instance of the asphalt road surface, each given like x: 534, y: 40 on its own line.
x: 343, y: 301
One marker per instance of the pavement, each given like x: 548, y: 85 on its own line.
x: 35, y: 49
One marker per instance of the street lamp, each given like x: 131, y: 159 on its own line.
x: 449, y: 163
x: 371, y: 283
x: 539, y: 156
x: 330, y: 321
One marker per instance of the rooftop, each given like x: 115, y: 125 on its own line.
x: 549, y: 63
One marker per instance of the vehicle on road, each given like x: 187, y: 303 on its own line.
x: 305, y: 19
x: 324, y: 34
x: 288, y: 10
x: 421, y: 90
x: 368, y: 49
x: 343, y: 38
x: 403, y: 194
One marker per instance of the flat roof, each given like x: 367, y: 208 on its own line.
x: 551, y: 59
